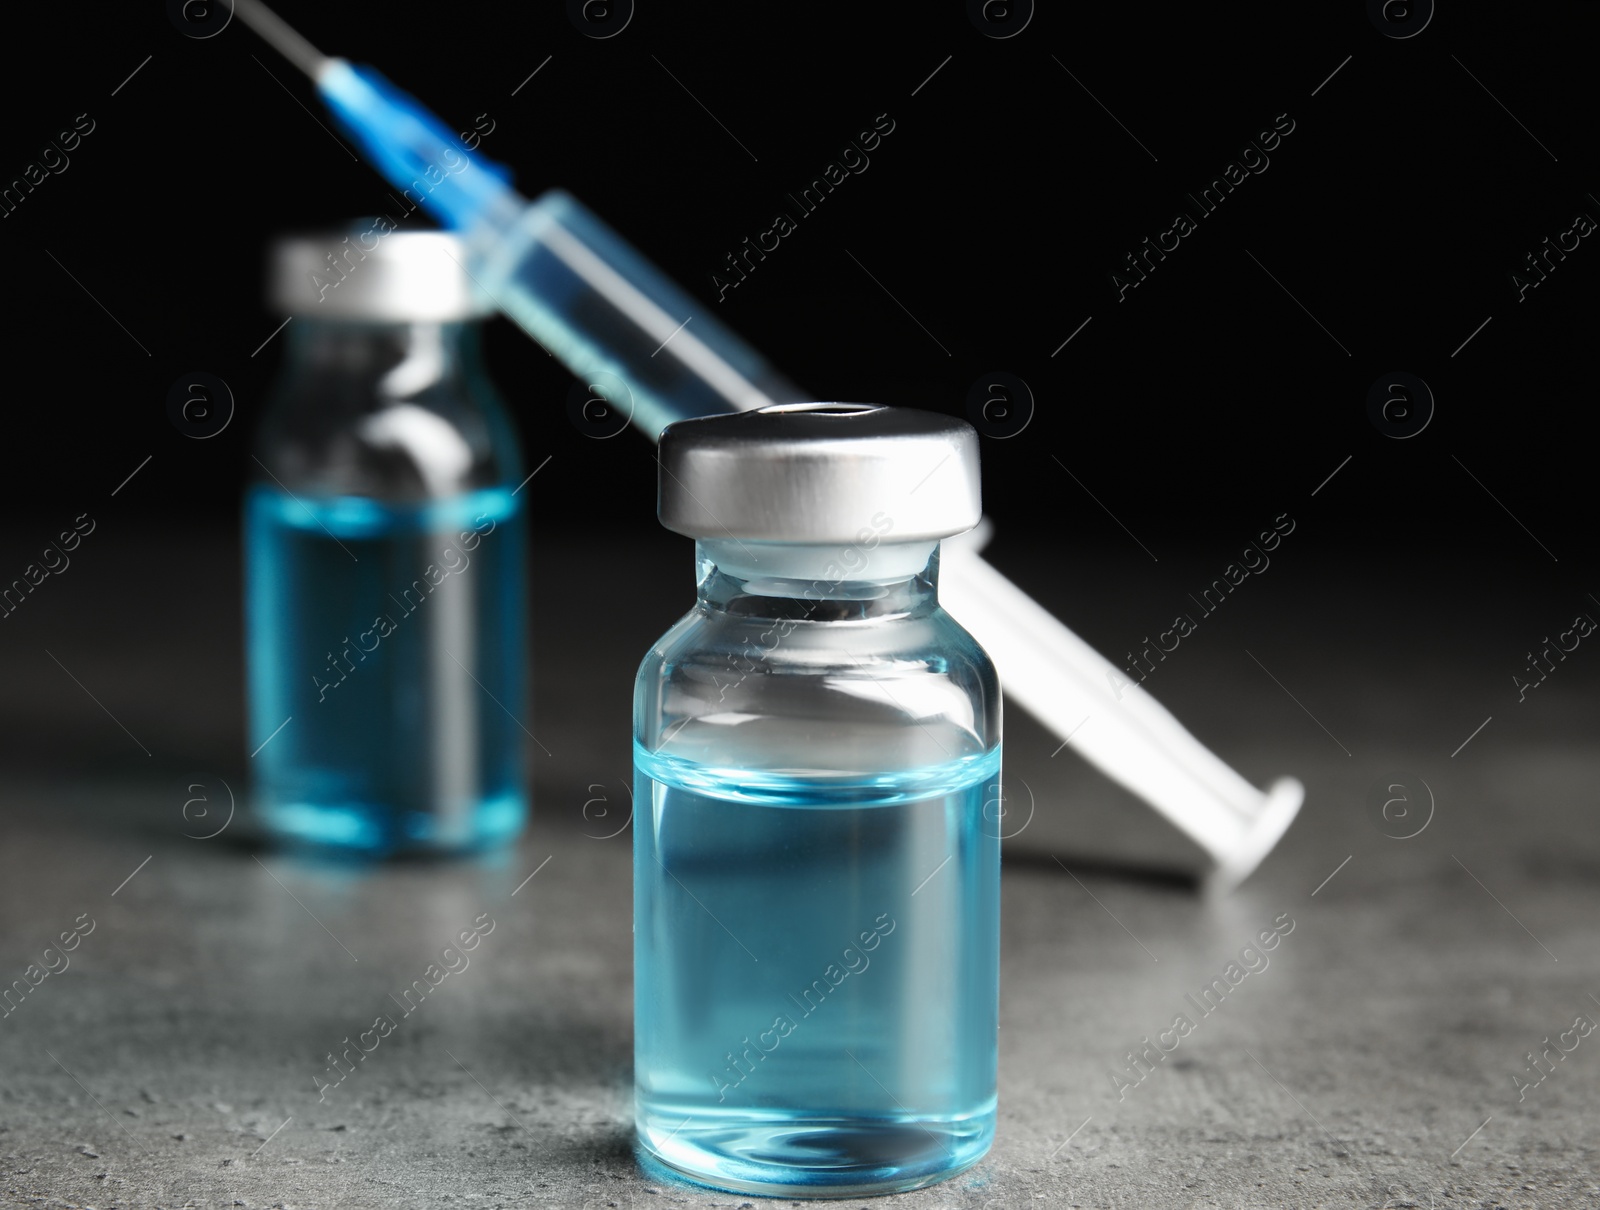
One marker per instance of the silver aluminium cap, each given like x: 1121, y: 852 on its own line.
x: 820, y: 472
x: 364, y: 274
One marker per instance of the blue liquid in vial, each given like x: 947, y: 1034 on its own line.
x: 397, y: 655
x: 817, y: 975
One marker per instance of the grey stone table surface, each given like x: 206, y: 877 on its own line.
x: 1377, y: 1056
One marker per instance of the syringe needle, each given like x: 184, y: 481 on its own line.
x: 277, y: 33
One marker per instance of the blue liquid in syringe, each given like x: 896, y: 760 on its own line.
x: 390, y: 638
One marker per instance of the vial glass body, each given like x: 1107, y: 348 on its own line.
x: 385, y: 596
x: 816, y: 881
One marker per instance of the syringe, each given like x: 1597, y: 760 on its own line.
x: 651, y: 350
x: 553, y: 267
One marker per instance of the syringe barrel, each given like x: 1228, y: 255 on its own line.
x: 614, y: 319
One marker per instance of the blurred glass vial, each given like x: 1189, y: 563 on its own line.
x: 384, y: 559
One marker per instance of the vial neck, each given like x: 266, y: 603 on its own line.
x: 405, y: 358
x: 833, y: 582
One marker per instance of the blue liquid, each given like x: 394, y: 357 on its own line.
x: 402, y: 679
x: 778, y: 1050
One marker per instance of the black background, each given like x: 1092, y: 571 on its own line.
x: 1173, y: 428
x: 1204, y: 402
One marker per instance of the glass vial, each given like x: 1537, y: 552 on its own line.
x: 384, y: 559
x: 816, y: 879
